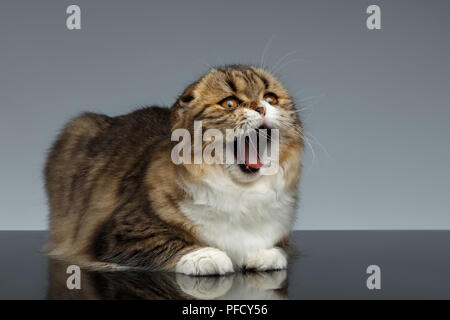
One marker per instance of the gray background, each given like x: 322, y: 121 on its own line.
x: 377, y: 101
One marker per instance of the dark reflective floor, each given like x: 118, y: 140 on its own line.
x: 155, y: 285
x: 332, y: 265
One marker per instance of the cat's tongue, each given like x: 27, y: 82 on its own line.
x: 251, y: 157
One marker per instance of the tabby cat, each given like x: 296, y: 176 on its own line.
x: 117, y: 199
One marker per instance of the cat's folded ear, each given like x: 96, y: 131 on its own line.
x: 184, y: 102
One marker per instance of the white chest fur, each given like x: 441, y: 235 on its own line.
x: 239, y: 219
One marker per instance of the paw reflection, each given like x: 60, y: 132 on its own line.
x: 251, y: 285
x: 205, y: 287
x: 136, y: 284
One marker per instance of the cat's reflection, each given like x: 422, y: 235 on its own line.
x: 156, y: 285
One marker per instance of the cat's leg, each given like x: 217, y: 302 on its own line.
x: 157, y: 246
x: 205, y: 261
x: 266, y: 259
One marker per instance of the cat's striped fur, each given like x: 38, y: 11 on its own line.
x: 116, y: 198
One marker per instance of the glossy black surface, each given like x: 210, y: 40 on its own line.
x: 332, y: 265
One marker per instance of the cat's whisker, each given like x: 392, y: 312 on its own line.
x: 253, y: 145
x: 318, y: 142
x: 296, y: 130
x: 307, y: 104
x: 312, y: 98
x: 265, y: 136
x: 308, y: 138
x: 266, y: 47
x: 275, y: 71
x: 313, y: 153
x: 282, y: 59
x: 310, y: 102
x: 297, y: 110
x: 205, y: 63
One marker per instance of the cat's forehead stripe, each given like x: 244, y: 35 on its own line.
x: 231, y: 84
x: 249, y: 75
x: 264, y: 80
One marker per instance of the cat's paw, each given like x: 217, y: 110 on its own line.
x: 264, y: 260
x: 205, y: 261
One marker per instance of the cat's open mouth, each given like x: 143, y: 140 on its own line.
x: 250, y: 153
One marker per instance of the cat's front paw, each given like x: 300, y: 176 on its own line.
x: 264, y: 260
x: 205, y: 261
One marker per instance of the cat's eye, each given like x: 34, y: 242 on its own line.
x: 229, y: 103
x: 271, y: 98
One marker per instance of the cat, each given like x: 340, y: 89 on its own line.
x: 117, y: 199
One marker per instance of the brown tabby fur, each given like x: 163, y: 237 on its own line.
x: 112, y: 186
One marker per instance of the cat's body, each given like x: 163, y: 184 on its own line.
x: 117, y: 197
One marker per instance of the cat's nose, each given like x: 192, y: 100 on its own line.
x: 261, y: 110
